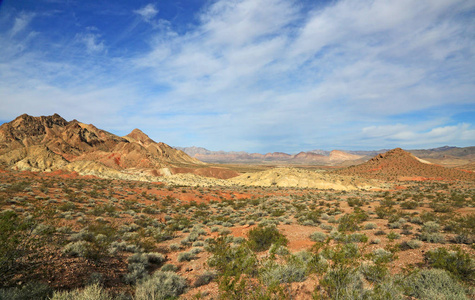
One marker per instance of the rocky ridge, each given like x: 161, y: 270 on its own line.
x: 50, y: 143
x: 398, y: 164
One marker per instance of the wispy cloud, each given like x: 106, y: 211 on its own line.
x: 148, y: 12
x: 21, y: 22
x: 92, y: 42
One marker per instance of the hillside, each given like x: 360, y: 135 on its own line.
x: 293, y: 177
x: 398, y: 164
x: 50, y: 143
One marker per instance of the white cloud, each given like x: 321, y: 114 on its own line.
x: 148, y: 12
x: 92, y: 42
x: 21, y: 22
x: 406, y: 135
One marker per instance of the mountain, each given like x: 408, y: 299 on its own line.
x: 397, y: 164
x: 49, y: 143
x: 317, y: 157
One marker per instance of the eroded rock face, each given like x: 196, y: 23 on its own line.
x: 50, y: 142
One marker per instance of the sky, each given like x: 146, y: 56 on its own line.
x: 247, y: 75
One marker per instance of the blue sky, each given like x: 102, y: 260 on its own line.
x: 252, y: 75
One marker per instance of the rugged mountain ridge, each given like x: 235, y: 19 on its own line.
x: 49, y: 143
x: 397, y: 164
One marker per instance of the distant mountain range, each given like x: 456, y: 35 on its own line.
x: 456, y: 155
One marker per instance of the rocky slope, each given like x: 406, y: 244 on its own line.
x: 49, y: 143
x: 293, y: 177
x: 398, y: 164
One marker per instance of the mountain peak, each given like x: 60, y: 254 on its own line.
x: 139, y: 136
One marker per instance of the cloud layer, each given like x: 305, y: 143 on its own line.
x: 257, y: 75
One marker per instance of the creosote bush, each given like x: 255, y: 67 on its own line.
x: 431, y: 284
x: 261, y: 238
x: 161, y: 285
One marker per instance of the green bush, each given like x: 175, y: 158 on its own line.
x: 229, y: 261
x: 169, y: 267
x: 261, y: 238
x: 433, y: 284
x: 204, y: 278
x: 16, y: 240
x: 185, y: 256
x: 92, y: 292
x: 348, y: 222
x: 274, y: 274
x: 32, y: 290
x: 161, y: 285
x: 432, y: 237
x: 457, y: 262
x: 318, y: 236
x: 373, y: 272
x: 343, y: 282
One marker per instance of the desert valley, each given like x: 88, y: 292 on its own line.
x: 86, y: 214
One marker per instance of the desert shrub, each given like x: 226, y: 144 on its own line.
x: 416, y: 220
x: 393, y: 235
x: 380, y: 232
x: 456, y: 261
x: 279, y: 250
x: 174, y: 247
x: 169, y: 267
x: 326, y: 227
x: 155, y: 258
x: 386, y: 290
x: 204, y: 278
x: 432, y: 237
x: 185, y: 256
x: 352, y: 238
x: 343, y: 282
x: 414, y: 244
x: 31, y: 290
x: 261, y: 238
x: 409, y: 205
x: 92, y: 292
x: 384, y: 212
x: 198, y: 244
x: 430, y: 227
x: 231, y: 261
x: 275, y: 274
x: 373, y: 272
x: 196, y: 250
x: 369, y: 226
x: 314, y: 263
x: 342, y: 253
x: 382, y: 256
x: 161, y: 285
x: 79, y: 248
x: 15, y: 240
x: 318, y: 236
x: 348, y: 222
x: 433, y: 284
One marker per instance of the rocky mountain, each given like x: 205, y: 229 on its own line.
x: 49, y: 143
x: 398, y: 164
